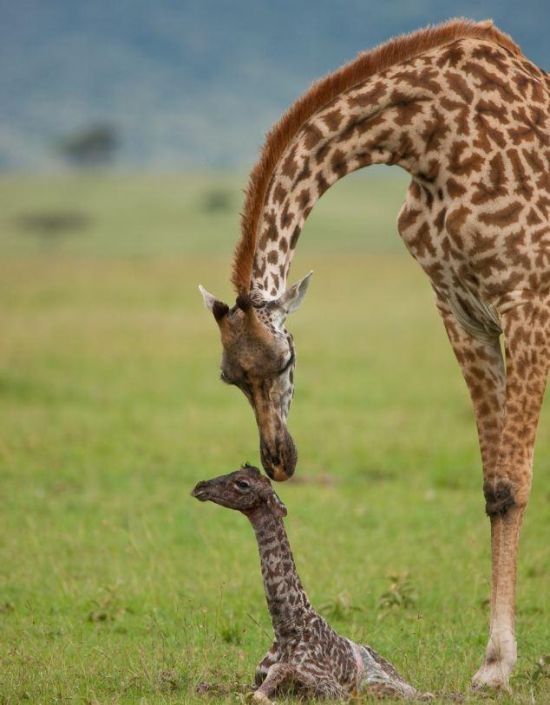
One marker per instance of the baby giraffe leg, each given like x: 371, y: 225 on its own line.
x: 265, y: 664
x: 276, y: 676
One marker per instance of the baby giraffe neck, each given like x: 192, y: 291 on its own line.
x: 287, y: 602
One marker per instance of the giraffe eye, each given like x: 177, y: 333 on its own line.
x: 287, y: 364
x: 242, y: 484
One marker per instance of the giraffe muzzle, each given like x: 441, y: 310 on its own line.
x: 279, y: 456
x: 201, y: 491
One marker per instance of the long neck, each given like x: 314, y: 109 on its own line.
x: 389, y: 119
x: 287, y: 602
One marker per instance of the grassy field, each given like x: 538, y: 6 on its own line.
x: 116, y: 586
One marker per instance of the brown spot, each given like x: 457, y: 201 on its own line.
x: 492, y: 55
x: 452, y: 56
x: 279, y: 193
x: 372, y: 96
x: 454, y: 189
x: 461, y: 113
x: 461, y: 163
x: 458, y: 85
x: 338, y: 163
x: 533, y: 218
x: 533, y: 125
x: 456, y: 219
x: 494, y: 186
x: 290, y: 166
x: 522, y: 179
x: 321, y: 153
x: 304, y: 198
x: 333, y: 119
x: 294, y: 238
x: 322, y: 184
x: 482, y: 243
x: 434, y: 131
x: 305, y: 173
x: 490, y: 81
x: 407, y: 218
x: 421, y: 244
x: 405, y: 107
x: 484, y: 106
x: 313, y: 135
x: 504, y: 216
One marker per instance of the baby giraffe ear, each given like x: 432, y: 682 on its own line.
x: 292, y: 297
x: 218, y: 308
x: 275, y: 504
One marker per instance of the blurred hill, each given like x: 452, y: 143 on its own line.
x: 194, y: 83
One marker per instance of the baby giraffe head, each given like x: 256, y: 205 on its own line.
x: 258, y: 358
x: 246, y: 490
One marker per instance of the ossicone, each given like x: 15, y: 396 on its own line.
x: 218, y: 308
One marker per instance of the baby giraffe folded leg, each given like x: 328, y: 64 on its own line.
x: 308, y: 657
x: 277, y: 675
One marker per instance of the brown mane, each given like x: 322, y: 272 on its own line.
x: 394, y: 51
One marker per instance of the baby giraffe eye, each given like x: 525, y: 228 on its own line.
x: 242, y: 484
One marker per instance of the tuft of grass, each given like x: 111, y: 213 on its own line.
x: 339, y: 607
x: 401, y: 594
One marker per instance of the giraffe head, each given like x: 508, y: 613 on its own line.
x: 258, y: 358
x: 245, y: 490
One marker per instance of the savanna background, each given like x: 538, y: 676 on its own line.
x: 126, y: 133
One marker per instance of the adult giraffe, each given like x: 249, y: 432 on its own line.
x: 466, y: 114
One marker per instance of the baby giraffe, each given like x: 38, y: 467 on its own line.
x: 307, y: 657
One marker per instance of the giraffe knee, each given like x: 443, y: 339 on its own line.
x: 500, y: 496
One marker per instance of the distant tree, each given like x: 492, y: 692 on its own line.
x: 216, y: 200
x: 93, y: 146
x: 52, y: 227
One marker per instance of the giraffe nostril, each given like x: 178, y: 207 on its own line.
x: 279, y: 458
x: 200, y: 491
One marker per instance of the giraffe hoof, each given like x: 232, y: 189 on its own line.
x: 257, y: 697
x: 490, y: 678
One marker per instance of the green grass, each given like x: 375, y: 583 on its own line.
x: 116, y: 586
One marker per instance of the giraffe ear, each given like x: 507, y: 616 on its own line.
x: 292, y: 297
x: 275, y: 504
x: 218, y: 308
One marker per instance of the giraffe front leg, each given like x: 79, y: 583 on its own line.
x: 507, y: 486
x: 265, y: 664
x: 482, y: 366
x: 276, y: 676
